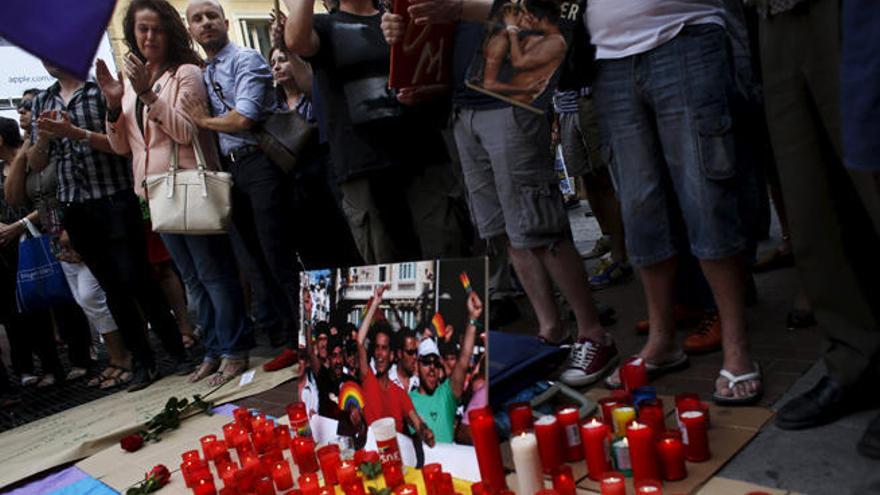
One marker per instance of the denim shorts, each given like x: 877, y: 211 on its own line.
x: 667, y: 130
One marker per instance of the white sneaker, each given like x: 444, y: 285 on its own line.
x: 28, y: 380
x: 589, y: 361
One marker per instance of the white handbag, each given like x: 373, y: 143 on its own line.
x: 189, y: 201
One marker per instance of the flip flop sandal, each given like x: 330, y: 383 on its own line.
x: 655, y: 370
x: 124, y: 377
x: 732, y: 381
x: 108, y: 373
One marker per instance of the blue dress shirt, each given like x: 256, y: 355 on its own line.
x: 239, y: 78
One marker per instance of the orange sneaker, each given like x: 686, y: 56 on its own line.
x: 682, y: 315
x: 706, y: 337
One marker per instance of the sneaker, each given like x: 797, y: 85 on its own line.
x: 589, y: 361
x: 143, y: 378
x: 601, y: 248
x: 608, y: 273
x: 707, y: 336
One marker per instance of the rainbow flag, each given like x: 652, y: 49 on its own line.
x: 465, y: 282
x: 350, y: 395
x: 439, y: 325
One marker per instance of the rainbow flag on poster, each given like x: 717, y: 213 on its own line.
x: 465, y: 282
x: 439, y: 325
x: 350, y: 395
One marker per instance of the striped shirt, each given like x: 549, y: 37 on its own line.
x: 83, y: 173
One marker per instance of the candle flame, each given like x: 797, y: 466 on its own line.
x: 595, y: 423
x: 613, y: 479
x: 635, y: 425
x: 692, y: 414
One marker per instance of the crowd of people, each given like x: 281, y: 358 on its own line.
x: 675, y: 117
x: 424, y: 380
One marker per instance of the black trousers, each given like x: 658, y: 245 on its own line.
x: 108, y: 234
x: 262, y: 199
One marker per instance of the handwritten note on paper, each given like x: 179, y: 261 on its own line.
x: 424, y: 56
x: 87, y: 429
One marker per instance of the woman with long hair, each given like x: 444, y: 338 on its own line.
x: 146, y: 119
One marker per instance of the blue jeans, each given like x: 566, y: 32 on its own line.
x: 667, y: 126
x: 207, y: 266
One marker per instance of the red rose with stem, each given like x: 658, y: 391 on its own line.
x: 153, y: 481
x: 132, y: 443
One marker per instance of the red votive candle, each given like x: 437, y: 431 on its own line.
x: 651, y: 413
x: 407, y: 489
x: 262, y: 440
x: 633, y: 373
x: 355, y: 488
x: 204, y: 487
x: 642, y: 452
x: 670, y: 451
x: 607, y: 406
x: 308, y: 483
x: 596, y: 437
x: 568, y: 418
x: 282, y: 437
x: 685, y: 402
x: 329, y: 459
x: 227, y: 474
x: 563, y: 480
x: 392, y: 471
x: 346, y: 473
x: 613, y: 483
x: 264, y: 486
x: 488, y: 449
x: 304, y: 454
x: 242, y: 417
x: 695, y: 436
x: 546, y: 491
x: 478, y: 488
x: 190, y: 455
x: 299, y: 419
x: 282, y: 476
x: 520, y: 417
x: 207, y: 442
x: 549, y: 437
x: 444, y: 484
x: 245, y: 480
x: 649, y: 487
x: 430, y: 473
x: 229, y: 430
x: 326, y: 490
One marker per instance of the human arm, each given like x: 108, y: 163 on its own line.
x: 113, y: 89
x: 314, y: 362
x: 299, y: 33
x: 541, y: 54
x: 439, y: 11
x: 459, y: 372
x: 363, y: 359
x: 170, y: 115
x: 56, y: 124
x: 10, y: 232
x: 302, y: 71
x: 15, y: 187
x: 421, y: 427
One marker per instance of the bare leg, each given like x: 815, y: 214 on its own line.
x: 536, y: 282
x: 116, y: 349
x: 659, y: 283
x: 727, y: 279
x: 606, y: 208
x: 566, y: 269
x: 174, y: 293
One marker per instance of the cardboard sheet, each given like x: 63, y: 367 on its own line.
x: 92, y: 427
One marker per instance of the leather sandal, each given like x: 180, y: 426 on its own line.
x: 230, y: 369
x: 123, y: 377
x: 206, y: 369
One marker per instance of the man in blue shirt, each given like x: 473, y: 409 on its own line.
x: 240, y: 94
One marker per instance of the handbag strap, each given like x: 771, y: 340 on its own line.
x: 31, y: 228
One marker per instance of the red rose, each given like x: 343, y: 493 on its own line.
x: 359, y: 457
x: 371, y: 456
x: 161, y: 474
x: 132, y: 442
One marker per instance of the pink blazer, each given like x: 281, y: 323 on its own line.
x: 164, y: 123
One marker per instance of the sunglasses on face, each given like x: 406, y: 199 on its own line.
x: 25, y: 105
x: 430, y: 361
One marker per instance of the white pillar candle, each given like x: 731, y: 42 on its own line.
x: 527, y: 463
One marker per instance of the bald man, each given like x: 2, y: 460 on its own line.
x: 240, y: 93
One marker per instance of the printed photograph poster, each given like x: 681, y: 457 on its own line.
x: 424, y: 56
x: 526, y: 42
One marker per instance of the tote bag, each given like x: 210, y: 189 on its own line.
x: 40, y: 283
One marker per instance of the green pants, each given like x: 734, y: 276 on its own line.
x: 834, y: 214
